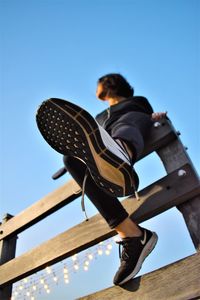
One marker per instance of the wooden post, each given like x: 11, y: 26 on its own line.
x: 7, y: 252
x: 173, y: 157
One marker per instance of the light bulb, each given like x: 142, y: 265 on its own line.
x: 86, y: 262
x: 74, y: 257
x: 109, y: 246
x: 100, y: 251
x: 90, y: 256
x: 116, y: 238
x: 76, y: 267
x: 48, y: 270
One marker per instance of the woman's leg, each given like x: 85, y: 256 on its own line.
x: 109, y: 207
x: 137, y: 242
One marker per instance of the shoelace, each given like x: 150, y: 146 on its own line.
x: 123, y: 254
x: 83, y: 194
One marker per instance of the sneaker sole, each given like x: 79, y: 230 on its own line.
x: 145, y: 252
x: 72, y: 131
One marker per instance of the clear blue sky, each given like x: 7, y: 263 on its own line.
x: 59, y: 48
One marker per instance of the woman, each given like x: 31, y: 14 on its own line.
x: 100, y: 156
x: 128, y: 120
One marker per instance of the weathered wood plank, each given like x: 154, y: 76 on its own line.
x: 41, y: 209
x: 177, y: 281
x: 154, y: 199
x: 160, y: 136
x: 173, y: 156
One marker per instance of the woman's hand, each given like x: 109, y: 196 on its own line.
x: 158, y: 115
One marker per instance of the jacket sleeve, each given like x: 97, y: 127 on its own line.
x: 146, y: 105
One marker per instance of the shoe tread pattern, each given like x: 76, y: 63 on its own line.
x: 61, y: 124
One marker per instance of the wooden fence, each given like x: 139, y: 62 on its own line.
x: 180, y: 187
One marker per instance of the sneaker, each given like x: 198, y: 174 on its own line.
x: 72, y: 131
x: 135, y: 250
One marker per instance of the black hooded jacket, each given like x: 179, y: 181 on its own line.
x: 129, y: 120
x: 137, y: 104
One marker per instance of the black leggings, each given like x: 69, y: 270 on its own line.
x: 109, y: 207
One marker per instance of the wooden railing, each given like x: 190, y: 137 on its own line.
x: 180, y: 188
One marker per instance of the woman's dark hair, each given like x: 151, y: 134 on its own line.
x: 115, y: 85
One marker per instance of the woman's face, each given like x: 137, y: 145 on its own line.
x: 99, y: 92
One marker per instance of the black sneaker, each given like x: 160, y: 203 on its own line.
x: 72, y: 131
x: 135, y: 250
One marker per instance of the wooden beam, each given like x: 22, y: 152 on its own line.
x: 173, y: 156
x: 55, y: 200
x: 165, y: 193
x: 179, y: 280
x: 41, y: 209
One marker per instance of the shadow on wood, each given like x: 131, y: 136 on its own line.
x: 177, y: 281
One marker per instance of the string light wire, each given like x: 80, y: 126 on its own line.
x: 31, y: 288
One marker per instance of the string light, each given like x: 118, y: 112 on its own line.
x: 66, y: 276
x: 116, y: 238
x: 31, y: 288
x: 87, y: 262
x: 66, y: 280
x: 100, y: 251
x: 42, y: 280
x: 109, y: 246
x: 85, y: 268
x: 90, y: 256
x: 48, y: 269
x: 76, y: 266
x: 107, y: 252
x: 74, y: 257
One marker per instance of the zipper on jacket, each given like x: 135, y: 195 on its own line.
x: 108, y: 116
